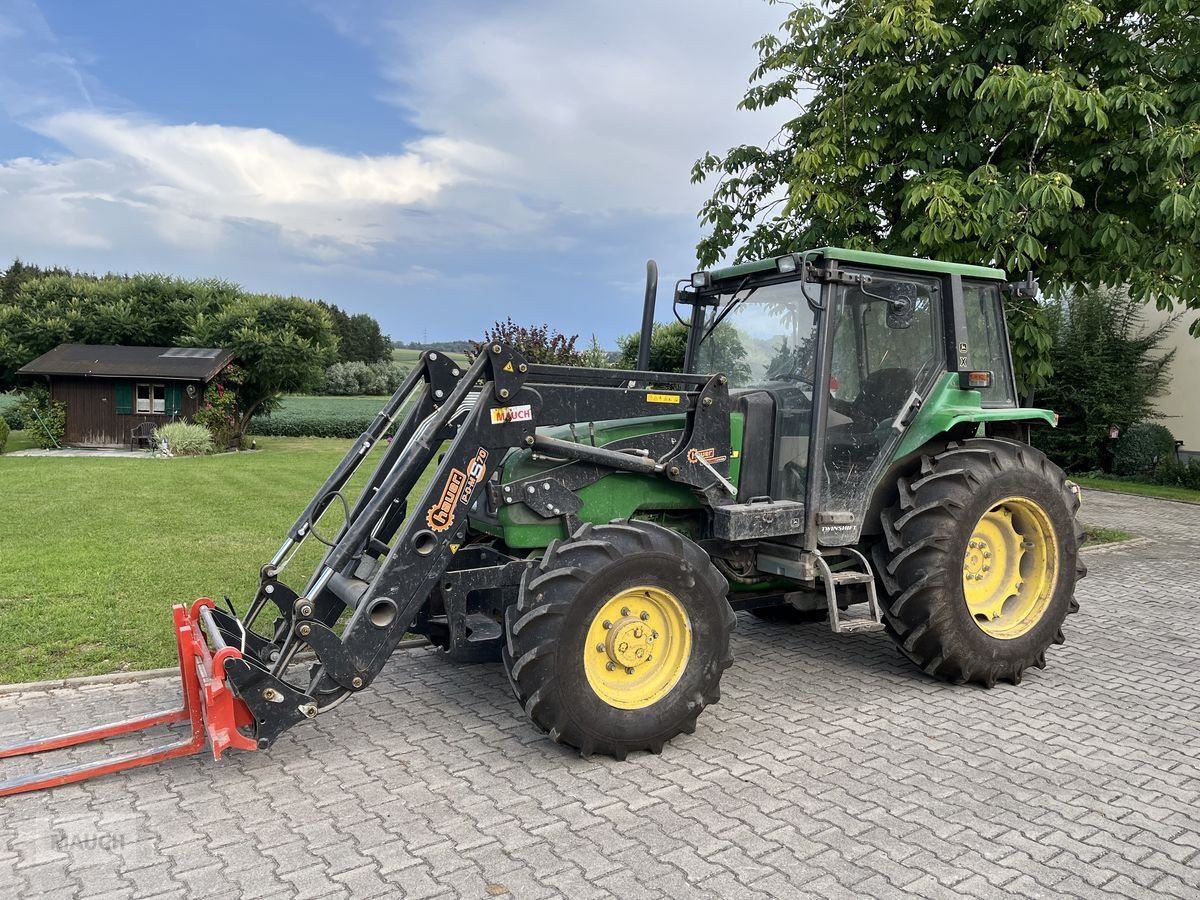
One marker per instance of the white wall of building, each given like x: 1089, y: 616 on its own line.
x: 1180, y: 406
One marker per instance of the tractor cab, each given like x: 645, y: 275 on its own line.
x: 831, y: 356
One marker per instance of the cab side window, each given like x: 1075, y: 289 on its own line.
x: 988, y: 341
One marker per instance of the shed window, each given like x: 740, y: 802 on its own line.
x: 151, y: 398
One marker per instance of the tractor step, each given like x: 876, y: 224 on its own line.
x: 845, y: 577
x: 858, y: 626
x: 838, y: 623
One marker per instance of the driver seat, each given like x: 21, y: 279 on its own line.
x: 882, y: 394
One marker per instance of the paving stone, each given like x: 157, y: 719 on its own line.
x: 830, y: 768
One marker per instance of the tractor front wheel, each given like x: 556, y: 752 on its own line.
x: 979, y: 561
x: 619, y: 638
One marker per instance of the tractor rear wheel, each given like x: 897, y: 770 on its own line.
x: 979, y: 561
x: 619, y: 638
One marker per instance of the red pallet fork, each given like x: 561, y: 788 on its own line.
x: 208, y: 703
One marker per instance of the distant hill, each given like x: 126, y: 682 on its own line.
x: 444, y: 346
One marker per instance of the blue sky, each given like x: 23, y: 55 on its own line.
x: 437, y: 165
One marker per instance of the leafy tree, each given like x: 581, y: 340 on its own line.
x: 668, y: 349
x: 1108, y: 369
x: 668, y: 346
x: 359, y: 336
x: 537, y: 343
x: 360, y: 378
x: 595, y: 356
x: 1061, y: 137
x: 18, y: 273
x: 364, y: 342
x: 283, y: 343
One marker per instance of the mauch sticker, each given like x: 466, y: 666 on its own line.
x: 502, y: 415
x: 709, y: 455
x: 458, y: 489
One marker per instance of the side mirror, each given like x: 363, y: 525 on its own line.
x: 900, y: 314
x: 1025, y: 290
x: 902, y: 304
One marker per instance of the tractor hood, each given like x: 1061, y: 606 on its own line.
x: 619, y: 495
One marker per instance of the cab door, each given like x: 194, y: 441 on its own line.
x: 887, y: 351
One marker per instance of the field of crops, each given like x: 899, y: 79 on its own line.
x: 304, y: 416
x: 408, y: 358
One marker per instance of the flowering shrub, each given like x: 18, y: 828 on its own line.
x: 218, y: 410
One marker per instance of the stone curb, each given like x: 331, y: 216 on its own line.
x: 126, y: 677
x: 1134, y: 496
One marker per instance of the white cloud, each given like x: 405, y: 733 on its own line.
x: 604, y: 104
x: 556, y: 145
x: 193, y: 178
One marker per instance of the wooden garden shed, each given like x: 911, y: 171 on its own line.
x: 113, y: 393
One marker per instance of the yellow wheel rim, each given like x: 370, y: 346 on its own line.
x: 637, y: 647
x: 1010, y: 568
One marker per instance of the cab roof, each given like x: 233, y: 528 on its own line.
x: 866, y: 258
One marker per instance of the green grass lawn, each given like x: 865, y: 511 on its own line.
x: 1098, y: 535
x: 19, y: 440
x: 1137, y: 487
x: 94, y: 552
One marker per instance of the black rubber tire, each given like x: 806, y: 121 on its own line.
x: 919, y: 561
x: 547, y: 626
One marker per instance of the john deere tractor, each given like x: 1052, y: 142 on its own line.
x: 845, y: 444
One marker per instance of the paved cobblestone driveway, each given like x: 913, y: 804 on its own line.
x: 831, y: 767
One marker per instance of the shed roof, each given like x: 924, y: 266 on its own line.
x: 114, y: 361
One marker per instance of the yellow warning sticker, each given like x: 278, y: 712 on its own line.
x: 508, y: 366
x: 454, y: 548
x: 663, y: 398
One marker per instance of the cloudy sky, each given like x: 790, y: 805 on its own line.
x: 439, y: 165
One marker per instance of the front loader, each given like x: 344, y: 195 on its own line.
x: 844, y: 444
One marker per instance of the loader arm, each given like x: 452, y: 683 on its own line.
x: 240, y: 684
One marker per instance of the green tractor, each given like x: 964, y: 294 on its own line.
x: 844, y: 444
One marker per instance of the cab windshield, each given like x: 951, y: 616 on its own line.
x: 767, y: 338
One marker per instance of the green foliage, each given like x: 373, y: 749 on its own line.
x: 45, y: 418
x: 9, y: 411
x: 595, y: 356
x: 218, y: 410
x: 344, y: 417
x: 537, y: 343
x: 1172, y: 473
x: 359, y: 336
x: 1061, y: 137
x: 185, y: 439
x: 18, y: 273
x: 349, y: 379
x: 1107, y: 371
x: 4, y: 429
x: 1142, y: 448
x: 285, y: 343
x: 668, y: 349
